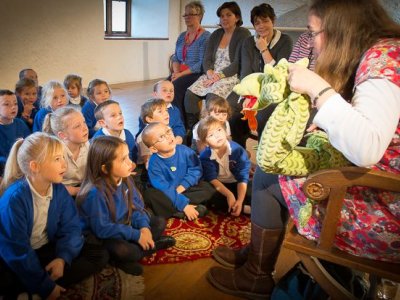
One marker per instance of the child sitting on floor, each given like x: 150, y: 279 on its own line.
x: 73, y: 84
x: 54, y: 96
x: 164, y: 89
x: 11, y: 128
x: 109, y: 116
x: 98, y: 91
x: 112, y: 208
x: 226, y: 166
x: 218, y: 108
x: 26, y: 92
x: 175, y: 173
x: 68, y: 124
x: 42, y: 247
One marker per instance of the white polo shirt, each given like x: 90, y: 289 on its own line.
x: 41, y: 206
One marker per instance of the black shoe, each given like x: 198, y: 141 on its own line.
x: 130, y: 267
x: 165, y: 242
x: 202, y: 210
x: 179, y: 215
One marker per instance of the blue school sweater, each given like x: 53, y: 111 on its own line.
x: 239, y: 163
x: 8, y: 135
x: 16, y: 223
x: 39, y: 119
x: 175, y: 122
x: 96, y: 217
x: 166, y: 174
x: 88, y: 113
x: 129, y: 139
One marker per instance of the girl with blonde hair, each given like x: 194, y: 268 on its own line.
x: 42, y: 247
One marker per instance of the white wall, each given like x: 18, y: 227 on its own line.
x: 56, y: 37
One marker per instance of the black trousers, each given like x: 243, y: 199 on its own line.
x: 219, y: 201
x: 92, y: 259
x: 128, y: 251
x: 268, y: 207
x: 162, y: 206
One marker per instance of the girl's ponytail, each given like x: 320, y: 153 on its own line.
x: 12, y: 171
x: 47, y: 124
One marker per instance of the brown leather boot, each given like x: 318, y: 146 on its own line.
x: 231, y: 258
x: 253, y: 280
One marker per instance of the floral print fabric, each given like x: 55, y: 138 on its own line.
x: 370, y: 219
x: 222, y: 87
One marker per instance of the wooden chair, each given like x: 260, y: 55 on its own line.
x: 332, y: 184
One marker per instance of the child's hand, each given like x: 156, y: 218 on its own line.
x: 180, y: 189
x: 56, y: 293
x: 237, y: 208
x: 146, y: 239
x: 56, y: 268
x: 191, y: 212
x: 231, y: 201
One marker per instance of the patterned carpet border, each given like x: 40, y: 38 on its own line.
x: 110, y: 284
x: 197, y: 239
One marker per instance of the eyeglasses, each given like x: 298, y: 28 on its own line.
x: 164, y: 136
x: 313, y: 34
x: 189, y: 15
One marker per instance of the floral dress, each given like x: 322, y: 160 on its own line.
x: 222, y: 87
x: 370, y: 219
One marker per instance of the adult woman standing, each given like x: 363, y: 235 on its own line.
x: 356, y: 89
x: 189, y: 52
x: 267, y: 46
x: 221, y: 60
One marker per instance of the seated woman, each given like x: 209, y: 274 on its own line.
x: 356, y: 89
x: 221, y: 61
x: 189, y: 52
x: 268, y: 46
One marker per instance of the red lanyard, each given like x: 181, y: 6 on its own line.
x: 187, y: 44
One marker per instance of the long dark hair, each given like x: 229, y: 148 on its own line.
x: 102, y: 153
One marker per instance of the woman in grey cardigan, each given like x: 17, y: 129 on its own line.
x: 221, y: 61
x: 268, y: 46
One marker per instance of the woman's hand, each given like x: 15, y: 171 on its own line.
x: 210, y: 74
x: 146, y: 239
x: 305, y: 81
x: 176, y: 75
x: 262, y: 44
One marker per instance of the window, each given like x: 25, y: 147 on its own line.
x: 117, y: 17
x: 136, y: 19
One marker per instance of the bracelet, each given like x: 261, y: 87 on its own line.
x: 314, y: 102
x: 266, y: 49
x: 221, y: 75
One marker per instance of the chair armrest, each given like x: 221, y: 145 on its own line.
x: 333, y: 183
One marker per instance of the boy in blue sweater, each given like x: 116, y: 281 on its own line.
x: 109, y: 116
x: 174, y: 172
x: 226, y: 166
x: 164, y: 89
x: 11, y: 128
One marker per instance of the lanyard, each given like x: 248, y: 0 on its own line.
x: 187, y: 44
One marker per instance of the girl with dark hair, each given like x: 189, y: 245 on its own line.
x: 113, y: 210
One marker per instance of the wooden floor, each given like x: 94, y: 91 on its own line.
x: 182, y: 280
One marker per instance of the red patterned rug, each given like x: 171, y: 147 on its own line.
x: 110, y: 283
x: 197, y: 239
